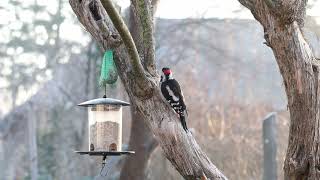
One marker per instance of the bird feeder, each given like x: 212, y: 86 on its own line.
x: 105, y: 117
x: 105, y: 127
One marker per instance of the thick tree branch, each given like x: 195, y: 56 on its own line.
x: 179, y: 147
x: 247, y: 3
x: 113, y: 38
x: 126, y: 36
x: 92, y: 16
x: 144, y: 17
x: 283, y: 11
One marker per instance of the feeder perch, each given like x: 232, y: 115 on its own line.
x: 105, y: 127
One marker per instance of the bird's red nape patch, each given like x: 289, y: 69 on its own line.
x: 167, y: 71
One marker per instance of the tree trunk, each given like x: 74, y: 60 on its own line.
x: 141, y: 139
x: 282, y: 22
x: 143, y: 142
x: 138, y: 74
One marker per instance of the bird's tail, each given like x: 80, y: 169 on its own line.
x: 183, y: 121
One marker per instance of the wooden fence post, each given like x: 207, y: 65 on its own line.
x: 269, y: 147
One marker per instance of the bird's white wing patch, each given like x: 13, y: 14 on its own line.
x: 175, y: 98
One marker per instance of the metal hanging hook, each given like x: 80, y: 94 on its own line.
x: 104, y: 162
x: 105, y: 91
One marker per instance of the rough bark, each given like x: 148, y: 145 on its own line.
x: 141, y: 139
x: 141, y: 85
x: 283, y: 22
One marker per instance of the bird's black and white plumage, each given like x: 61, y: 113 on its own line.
x: 171, y: 91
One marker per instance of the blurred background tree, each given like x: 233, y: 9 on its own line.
x: 33, y: 44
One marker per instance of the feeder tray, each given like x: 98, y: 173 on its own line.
x: 105, y: 153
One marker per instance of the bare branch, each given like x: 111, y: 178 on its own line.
x: 247, y: 3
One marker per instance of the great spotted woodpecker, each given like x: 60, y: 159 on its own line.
x: 171, y: 91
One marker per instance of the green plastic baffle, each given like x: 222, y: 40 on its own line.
x: 109, y: 73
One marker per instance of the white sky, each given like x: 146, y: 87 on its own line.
x: 200, y: 8
x: 177, y: 9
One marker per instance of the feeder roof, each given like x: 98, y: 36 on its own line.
x: 109, y: 101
